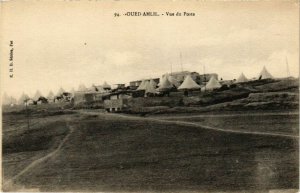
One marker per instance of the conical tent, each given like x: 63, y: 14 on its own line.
x: 165, y: 84
x: 72, y: 91
x: 153, y: 83
x: 9, y: 101
x: 264, y: 74
x: 82, y: 88
x: 158, y: 84
x: 23, y: 98
x: 92, y: 88
x: 242, y: 78
x: 5, y: 99
x: 100, y: 89
x: 60, y: 91
x: 213, y: 83
x: 160, y: 79
x: 37, y: 95
x: 13, y: 101
x: 142, y: 85
x: 50, y: 95
x: 174, y: 81
x: 188, y: 84
x: 95, y: 89
x: 106, y: 86
x: 149, y: 88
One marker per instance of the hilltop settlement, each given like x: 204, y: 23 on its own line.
x: 183, y: 131
x: 173, y: 90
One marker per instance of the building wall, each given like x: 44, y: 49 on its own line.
x: 120, y: 86
x: 138, y: 82
x: 79, y: 98
x: 196, y: 77
x: 141, y: 102
x: 206, y: 77
x: 114, y: 105
x: 180, y: 76
x: 98, y: 96
x: 120, y: 96
x: 135, y: 83
x: 50, y: 100
x: 89, y: 97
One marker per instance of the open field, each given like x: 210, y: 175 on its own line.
x: 21, y: 145
x: 110, y: 152
x: 276, y: 123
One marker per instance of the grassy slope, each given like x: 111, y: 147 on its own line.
x: 259, y: 95
x: 119, y: 154
x: 273, y: 123
x: 109, y: 153
x: 21, y: 146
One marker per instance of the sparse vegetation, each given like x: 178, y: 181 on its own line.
x: 116, y: 153
x: 110, y: 152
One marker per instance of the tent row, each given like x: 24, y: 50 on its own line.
x: 168, y: 82
x: 101, y: 88
x: 61, y: 91
x: 264, y: 74
x: 6, y: 100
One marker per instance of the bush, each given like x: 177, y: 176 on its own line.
x: 233, y: 86
x: 224, y: 87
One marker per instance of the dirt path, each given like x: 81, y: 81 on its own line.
x: 10, y: 183
x: 228, y: 115
x: 31, y: 167
x: 185, y: 123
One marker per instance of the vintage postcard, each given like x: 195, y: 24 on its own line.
x: 150, y: 96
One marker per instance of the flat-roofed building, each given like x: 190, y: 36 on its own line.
x: 207, y: 77
x: 136, y: 83
x: 117, y: 101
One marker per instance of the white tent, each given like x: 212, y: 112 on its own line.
x: 173, y: 80
x: 50, y: 95
x: 60, y: 91
x: 99, y: 89
x: 149, y: 88
x: 12, y: 101
x: 72, y: 91
x: 106, y: 86
x: 164, y: 84
x: 5, y: 99
x: 82, y: 88
x: 160, y: 79
x: 37, y: 95
x: 213, y: 83
x: 23, y: 98
x: 189, y: 84
x: 92, y: 88
x: 142, y: 85
x: 242, y: 78
x: 9, y: 100
x: 153, y: 83
x: 264, y: 74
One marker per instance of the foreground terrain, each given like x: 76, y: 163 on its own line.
x: 94, y: 151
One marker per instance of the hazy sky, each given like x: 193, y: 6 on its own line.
x: 66, y: 43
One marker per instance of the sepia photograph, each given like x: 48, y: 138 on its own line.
x: 143, y: 96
